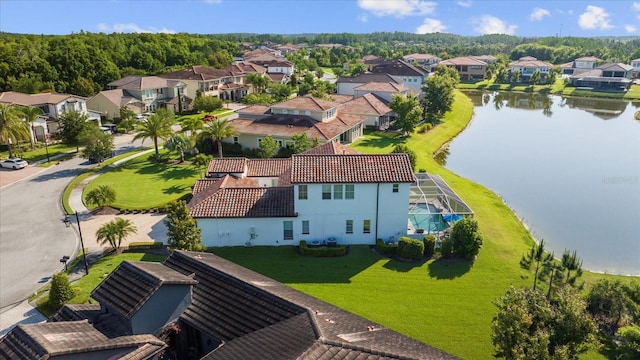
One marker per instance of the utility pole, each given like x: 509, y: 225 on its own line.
x: 84, y: 255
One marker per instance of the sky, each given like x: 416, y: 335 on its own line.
x: 461, y: 17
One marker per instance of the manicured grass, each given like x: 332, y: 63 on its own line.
x: 41, y: 153
x: 98, y: 271
x: 558, y: 88
x: 141, y: 183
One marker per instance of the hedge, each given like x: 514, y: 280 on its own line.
x: 141, y: 245
x: 409, y: 248
x: 429, y: 245
x: 322, y: 251
x: 387, y: 249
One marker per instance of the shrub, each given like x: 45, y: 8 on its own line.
x: 322, y: 251
x: 409, y: 248
x: 446, y: 249
x: 61, y: 290
x: 387, y: 249
x: 465, y: 238
x: 142, y: 245
x: 429, y: 245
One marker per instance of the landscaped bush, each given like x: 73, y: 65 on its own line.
x: 61, y: 290
x: 446, y: 249
x: 322, y: 251
x: 429, y: 245
x: 466, y: 239
x: 409, y: 248
x: 143, y: 245
x: 387, y: 249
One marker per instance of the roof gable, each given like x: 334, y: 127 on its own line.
x: 386, y: 168
x: 306, y: 102
x: 245, y: 202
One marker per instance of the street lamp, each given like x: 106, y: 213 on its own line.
x: 84, y: 255
x: 46, y: 146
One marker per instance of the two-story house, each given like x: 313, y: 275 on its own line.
x: 346, y: 84
x: 635, y: 64
x: 426, y: 61
x: 52, y: 105
x: 321, y: 195
x: 579, y: 65
x: 527, y: 65
x: 609, y: 76
x: 411, y: 76
x: 468, y: 67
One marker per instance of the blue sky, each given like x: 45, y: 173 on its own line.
x: 462, y: 17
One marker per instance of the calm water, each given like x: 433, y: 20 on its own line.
x: 570, y: 168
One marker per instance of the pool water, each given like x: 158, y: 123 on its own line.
x: 424, y: 216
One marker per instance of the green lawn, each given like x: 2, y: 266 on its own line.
x: 41, y: 153
x: 557, y: 88
x: 143, y: 184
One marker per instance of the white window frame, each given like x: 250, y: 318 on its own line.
x: 287, y: 230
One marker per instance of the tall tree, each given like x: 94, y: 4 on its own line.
x: 200, y: 162
x: 97, y: 144
x: 259, y: 82
x: 535, y: 258
x: 31, y: 114
x: 102, y: 196
x: 439, y: 93
x: 155, y: 127
x: 12, y: 127
x: 302, y: 143
x: 72, y: 124
x: 219, y: 130
x: 179, y: 144
x: 114, y: 232
x: 408, y: 112
x: 191, y: 124
x: 267, y: 148
x: 571, y: 263
x: 534, y: 79
x: 183, y: 232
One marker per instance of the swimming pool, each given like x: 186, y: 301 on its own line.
x: 426, y: 216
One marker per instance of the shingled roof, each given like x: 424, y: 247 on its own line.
x: 387, y: 168
x: 129, y: 287
x: 259, y: 318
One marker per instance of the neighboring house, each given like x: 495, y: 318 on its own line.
x: 635, y: 64
x: 468, y: 67
x: 486, y: 58
x: 527, y: 65
x: 351, y: 198
x: 384, y: 90
x: 141, y: 94
x: 347, y: 84
x: 610, y: 76
x: 53, y: 105
x: 274, y: 65
x: 319, y: 119
x: 373, y: 107
x: 411, y: 76
x: 579, y: 66
x: 427, y: 61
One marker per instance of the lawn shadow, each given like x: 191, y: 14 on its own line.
x: 175, y: 189
x: 449, y: 269
x: 180, y: 172
x: 402, y: 265
x: 68, y: 173
x: 381, y: 139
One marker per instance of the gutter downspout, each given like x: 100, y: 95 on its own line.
x: 377, y: 210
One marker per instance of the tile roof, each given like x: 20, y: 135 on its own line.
x: 397, y: 68
x: 530, y: 61
x: 117, y: 96
x: 382, y: 86
x: 125, y: 80
x: 267, y: 167
x: 148, y: 82
x: 199, y: 73
x: 587, y: 58
x: 108, y: 323
x: 18, y: 98
x: 227, y: 165
x: 287, y: 324
x: 365, y: 78
x: 331, y: 129
x: 340, y: 98
x: 387, y: 168
x: 245, y: 202
x: 254, y: 109
x: 129, y: 287
x: 330, y: 148
x: 368, y: 104
x: 51, y: 339
x: 277, y: 77
x: 419, y: 57
x: 306, y: 102
x: 246, y: 67
x: 463, y: 61
x: 615, y: 67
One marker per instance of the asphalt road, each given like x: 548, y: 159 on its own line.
x: 33, y: 236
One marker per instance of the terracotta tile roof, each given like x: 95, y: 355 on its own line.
x: 246, y: 67
x: 368, y: 104
x: 267, y: 167
x: 615, y: 67
x: 146, y: 82
x: 340, y: 98
x: 227, y: 165
x: 287, y: 324
x: 279, y: 125
x: 463, y: 61
x: 306, y: 102
x: 277, y: 77
x: 529, y: 61
x: 331, y: 129
x: 17, y: 98
x: 129, y: 287
x: 254, y: 109
x: 199, y: 73
x: 387, y: 168
x: 53, y: 339
x: 118, y: 97
x: 245, y: 202
x: 366, y: 78
x: 588, y: 58
x: 382, y: 86
x: 330, y: 148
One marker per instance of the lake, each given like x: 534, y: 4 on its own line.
x: 569, y: 168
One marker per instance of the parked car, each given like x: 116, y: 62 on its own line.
x: 15, y: 163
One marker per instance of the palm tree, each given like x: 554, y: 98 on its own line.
x: 258, y: 81
x: 156, y: 126
x: 114, y: 232
x: 219, y: 130
x: 12, y: 127
x: 180, y: 144
x: 201, y: 161
x: 31, y: 114
x: 192, y: 124
x: 101, y: 196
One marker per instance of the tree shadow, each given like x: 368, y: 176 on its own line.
x: 175, y: 189
x: 449, y: 269
x: 403, y: 265
x: 68, y: 173
x: 181, y: 172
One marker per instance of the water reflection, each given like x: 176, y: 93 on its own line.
x: 441, y: 156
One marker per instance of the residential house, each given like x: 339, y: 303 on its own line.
x: 468, y: 67
x: 527, y: 65
x: 411, y: 76
x: 347, y: 84
x: 579, y: 65
x: 53, y: 105
x: 373, y: 107
x: 273, y: 64
x: 384, y: 90
x: 609, y: 76
x: 486, y: 58
x: 140, y: 94
x: 319, y: 119
x: 426, y: 61
x: 635, y: 64
x: 351, y: 198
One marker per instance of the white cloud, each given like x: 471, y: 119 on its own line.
x: 538, y: 14
x: 131, y: 28
x: 466, y: 3
x: 636, y: 6
x: 594, y: 18
x: 630, y: 28
x: 363, y: 18
x: 397, y: 8
x: 488, y: 24
x: 431, y: 26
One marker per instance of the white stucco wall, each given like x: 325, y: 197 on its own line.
x: 345, y: 88
x: 237, y: 231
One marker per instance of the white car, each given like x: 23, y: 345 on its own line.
x: 14, y: 163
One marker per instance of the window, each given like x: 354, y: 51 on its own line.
x: 288, y: 230
x: 366, y: 226
x: 326, y: 192
x: 349, y: 229
x: 307, y: 112
x: 285, y: 111
x: 305, y: 227
x: 236, y: 140
x: 349, y: 191
x: 337, y: 192
x: 396, y: 187
x: 303, y: 193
